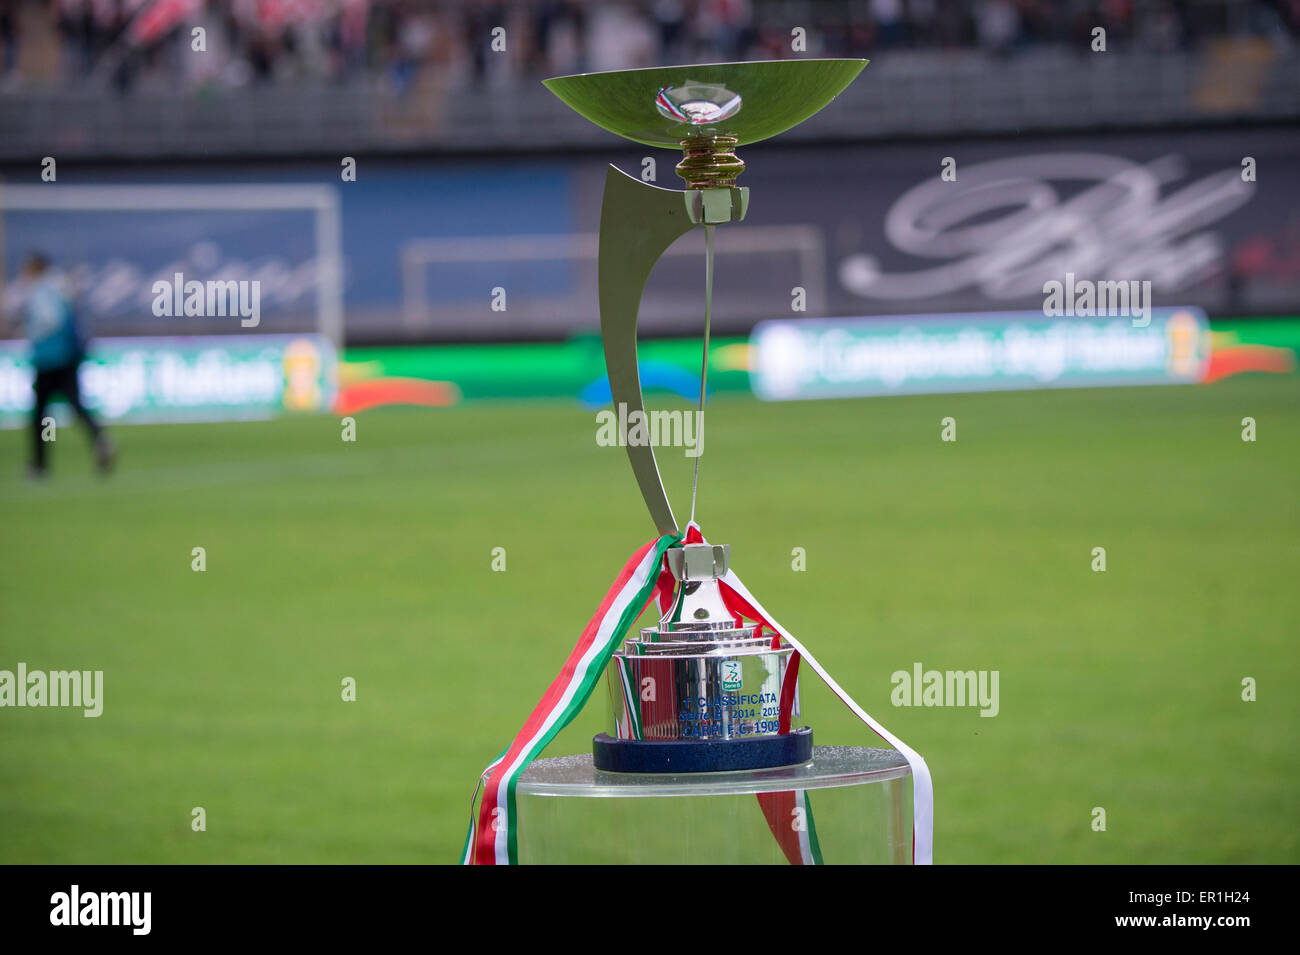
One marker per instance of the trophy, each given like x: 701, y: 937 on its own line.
x: 699, y: 692
x: 704, y: 702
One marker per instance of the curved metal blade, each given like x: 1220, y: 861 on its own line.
x: 638, y: 222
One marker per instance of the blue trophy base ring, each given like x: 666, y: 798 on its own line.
x: 701, y: 756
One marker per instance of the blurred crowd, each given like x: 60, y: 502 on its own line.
x: 142, y: 43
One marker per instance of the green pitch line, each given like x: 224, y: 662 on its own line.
x: 372, y: 560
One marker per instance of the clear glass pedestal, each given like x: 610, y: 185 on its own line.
x: 848, y: 805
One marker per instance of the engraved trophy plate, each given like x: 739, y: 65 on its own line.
x: 697, y: 696
x: 697, y: 676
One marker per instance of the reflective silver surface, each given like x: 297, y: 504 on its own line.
x: 711, y: 694
x: 698, y: 104
x: 701, y: 674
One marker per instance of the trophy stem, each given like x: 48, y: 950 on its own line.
x: 710, y: 162
x: 638, y: 222
x: 704, y: 361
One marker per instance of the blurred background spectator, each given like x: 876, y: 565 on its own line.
x: 133, y: 44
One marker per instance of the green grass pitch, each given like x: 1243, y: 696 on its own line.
x: 372, y: 560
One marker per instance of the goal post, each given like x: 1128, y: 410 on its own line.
x: 761, y: 262
x: 320, y: 201
x: 203, y: 302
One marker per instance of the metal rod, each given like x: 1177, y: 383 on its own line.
x: 704, y: 363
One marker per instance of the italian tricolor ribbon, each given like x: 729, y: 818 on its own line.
x: 493, y: 836
x: 493, y: 831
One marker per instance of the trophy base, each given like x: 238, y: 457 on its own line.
x: 856, y: 802
x: 701, y: 756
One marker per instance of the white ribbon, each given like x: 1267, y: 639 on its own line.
x: 922, y: 786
